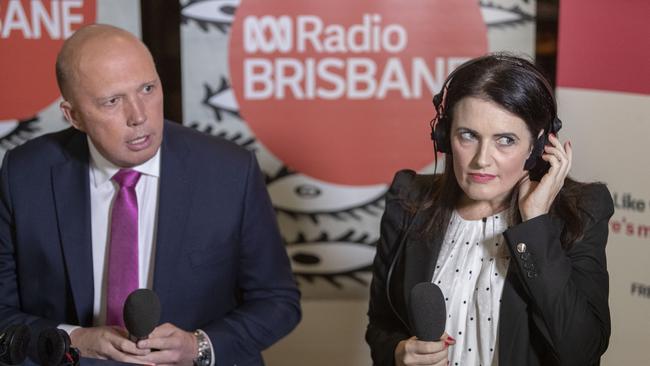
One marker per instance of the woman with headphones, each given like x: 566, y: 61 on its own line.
x: 517, y: 247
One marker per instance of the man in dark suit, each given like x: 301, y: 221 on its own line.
x: 197, y: 223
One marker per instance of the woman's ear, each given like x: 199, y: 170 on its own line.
x: 539, y: 136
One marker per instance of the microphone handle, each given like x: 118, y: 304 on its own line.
x: 135, y: 339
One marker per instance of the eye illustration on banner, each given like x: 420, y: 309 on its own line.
x: 497, y: 16
x: 217, y: 13
x: 298, y: 195
x: 221, y: 100
x: 16, y: 133
x: 332, y: 259
x: 334, y: 103
x: 236, y: 137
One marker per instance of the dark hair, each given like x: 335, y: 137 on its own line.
x: 516, y: 85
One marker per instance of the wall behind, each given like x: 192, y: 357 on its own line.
x: 31, y: 33
x: 604, y: 100
x: 334, y: 103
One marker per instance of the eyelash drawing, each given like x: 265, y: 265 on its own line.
x: 239, y: 138
x: 205, y: 13
x: 331, y: 259
x: 221, y: 100
x: 23, y: 131
x: 497, y: 16
x: 295, y: 195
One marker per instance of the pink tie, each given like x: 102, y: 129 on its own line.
x: 123, y: 250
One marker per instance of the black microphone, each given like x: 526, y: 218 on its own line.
x: 54, y: 348
x: 427, y: 311
x: 141, y: 313
x: 14, y: 341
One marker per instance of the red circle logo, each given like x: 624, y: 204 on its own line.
x: 343, y: 92
x: 31, y: 34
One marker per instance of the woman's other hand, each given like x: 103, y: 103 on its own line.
x: 535, y: 198
x: 415, y: 352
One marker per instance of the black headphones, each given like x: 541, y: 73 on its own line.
x: 441, y: 124
x: 54, y: 348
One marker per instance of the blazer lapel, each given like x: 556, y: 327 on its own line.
x: 72, y: 200
x: 420, y: 256
x: 173, y: 204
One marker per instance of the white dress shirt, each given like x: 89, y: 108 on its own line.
x: 471, y: 271
x: 103, y: 191
x: 102, y: 194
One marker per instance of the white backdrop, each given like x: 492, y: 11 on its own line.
x: 604, y: 100
x: 329, y: 214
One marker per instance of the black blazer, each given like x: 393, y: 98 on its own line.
x: 554, y: 307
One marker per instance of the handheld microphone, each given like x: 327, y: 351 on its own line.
x: 54, y: 348
x: 14, y: 341
x: 427, y: 311
x: 141, y: 313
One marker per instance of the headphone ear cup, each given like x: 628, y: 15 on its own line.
x: 439, y: 136
x: 437, y: 99
x: 53, y: 344
x: 19, y: 344
x: 556, y: 125
x: 536, y: 153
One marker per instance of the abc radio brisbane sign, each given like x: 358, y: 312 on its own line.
x: 341, y: 90
x: 266, y: 77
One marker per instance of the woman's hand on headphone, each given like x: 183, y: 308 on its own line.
x: 535, y: 198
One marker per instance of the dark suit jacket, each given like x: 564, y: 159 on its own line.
x: 554, y: 307
x: 220, y: 264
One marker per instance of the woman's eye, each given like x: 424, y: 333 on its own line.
x: 505, y: 141
x: 467, y: 136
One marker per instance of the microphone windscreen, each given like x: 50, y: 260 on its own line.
x: 141, y: 312
x: 427, y: 311
x: 15, y: 341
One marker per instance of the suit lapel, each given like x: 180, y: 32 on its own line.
x: 72, y: 199
x: 173, y: 204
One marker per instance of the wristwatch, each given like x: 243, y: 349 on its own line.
x: 204, y: 356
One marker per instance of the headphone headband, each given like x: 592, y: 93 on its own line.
x: 439, y: 132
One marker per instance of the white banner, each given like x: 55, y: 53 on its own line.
x: 604, y: 100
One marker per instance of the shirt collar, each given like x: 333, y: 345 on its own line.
x: 102, y: 170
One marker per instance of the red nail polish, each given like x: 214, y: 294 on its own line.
x: 451, y: 338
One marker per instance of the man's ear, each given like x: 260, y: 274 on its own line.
x: 70, y: 115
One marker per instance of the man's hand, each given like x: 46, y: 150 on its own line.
x: 108, y: 343
x: 173, y: 346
